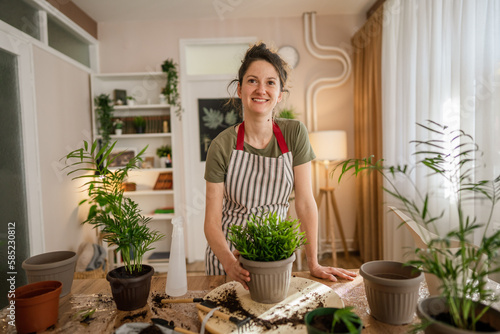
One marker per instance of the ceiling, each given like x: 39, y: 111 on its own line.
x: 132, y: 10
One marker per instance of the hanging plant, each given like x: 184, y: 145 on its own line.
x: 104, y: 110
x: 171, y: 91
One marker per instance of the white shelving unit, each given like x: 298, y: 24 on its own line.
x: 146, y: 88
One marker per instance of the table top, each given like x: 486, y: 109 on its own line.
x: 89, y: 294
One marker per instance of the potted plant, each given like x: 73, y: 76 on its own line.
x: 450, y: 157
x: 171, y: 88
x: 118, y: 219
x: 164, y: 152
x: 288, y: 113
x: 324, y: 320
x: 139, y: 124
x: 104, y: 110
x: 131, y: 101
x: 118, y: 124
x: 267, y: 247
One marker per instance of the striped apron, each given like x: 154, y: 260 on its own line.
x: 253, y: 184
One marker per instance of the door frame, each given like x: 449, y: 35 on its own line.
x: 21, y: 47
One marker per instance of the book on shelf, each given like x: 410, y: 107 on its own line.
x: 164, y: 210
x: 159, y: 257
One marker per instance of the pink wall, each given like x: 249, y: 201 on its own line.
x: 142, y: 46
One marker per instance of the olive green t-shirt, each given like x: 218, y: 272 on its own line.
x: 219, y: 152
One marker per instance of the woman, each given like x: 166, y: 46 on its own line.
x: 255, y: 165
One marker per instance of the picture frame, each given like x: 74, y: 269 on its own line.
x: 120, y: 96
x: 215, y: 115
x: 149, y: 162
x: 122, y: 155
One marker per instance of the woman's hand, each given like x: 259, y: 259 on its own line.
x: 330, y: 273
x: 235, y: 271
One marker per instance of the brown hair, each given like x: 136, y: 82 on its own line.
x: 260, y: 51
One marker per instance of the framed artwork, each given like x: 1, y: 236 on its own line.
x: 215, y: 115
x: 149, y: 162
x: 120, y: 96
x: 121, y: 156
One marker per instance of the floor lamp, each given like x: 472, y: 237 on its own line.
x: 330, y: 146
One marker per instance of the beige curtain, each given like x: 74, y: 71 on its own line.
x: 367, y: 50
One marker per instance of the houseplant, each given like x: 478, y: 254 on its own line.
x: 104, y: 109
x: 118, y: 124
x: 267, y: 245
x: 450, y: 157
x: 164, y: 152
x: 324, y: 320
x: 139, y: 124
x: 118, y: 219
x: 171, y: 91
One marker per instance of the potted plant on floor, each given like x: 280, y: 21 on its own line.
x: 267, y: 247
x: 325, y: 320
x: 118, y: 219
x: 449, y: 156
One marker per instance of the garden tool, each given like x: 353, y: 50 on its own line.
x: 241, y: 324
x: 170, y: 325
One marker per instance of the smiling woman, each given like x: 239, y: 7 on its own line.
x: 252, y: 168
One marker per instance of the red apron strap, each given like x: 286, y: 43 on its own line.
x: 240, y: 140
x: 279, y: 137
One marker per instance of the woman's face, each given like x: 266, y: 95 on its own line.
x: 260, y: 89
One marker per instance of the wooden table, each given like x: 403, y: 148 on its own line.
x: 96, y: 293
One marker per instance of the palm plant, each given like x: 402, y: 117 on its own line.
x: 462, y: 271
x: 118, y: 217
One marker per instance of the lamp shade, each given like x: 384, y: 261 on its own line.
x: 329, y: 145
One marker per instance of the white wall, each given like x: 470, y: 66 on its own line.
x: 63, y: 115
x: 141, y: 46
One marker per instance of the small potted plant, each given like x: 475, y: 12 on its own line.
x: 325, y: 320
x: 164, y: 152
x: 139, y: 124
x: 170, y: 91
x: 450, y: 156
x: 267, y: 247
x: 118, y: 124
x: 118, y: 219
x: 130, y: 101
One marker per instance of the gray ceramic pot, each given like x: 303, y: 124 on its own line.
x: 52, y: 266
x: 269, y: 281
x: 391, y: 290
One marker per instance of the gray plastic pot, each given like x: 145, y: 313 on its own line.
x: 269, y: 281
x: 431, y: 307
x: 391, y: 290
x: 52, y: 266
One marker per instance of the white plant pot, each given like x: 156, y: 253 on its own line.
x: 118, y: 132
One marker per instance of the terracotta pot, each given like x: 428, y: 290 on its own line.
x: 430, y: 307
x: 322, y: 311
x: 36, y: 306
x: 132, y: 292
x: 52, y: 266
x: 269, y: 281
x: 391, y: 290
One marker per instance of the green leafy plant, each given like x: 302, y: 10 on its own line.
x: 267, y: 238
x: 104, y: 109
x: 346, y: 316
x: 139, y: 123
x: 118, y: 218
x: 287, y: 112
x: 171, y: 91
x: 118, y: 123
x: 450, y: 155
x: 164, y: 151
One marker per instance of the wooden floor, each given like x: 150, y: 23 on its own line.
x: 354, y: 262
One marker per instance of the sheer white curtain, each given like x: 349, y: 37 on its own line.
x: 440, y: 62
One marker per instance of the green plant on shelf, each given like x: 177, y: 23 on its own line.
x: 171, y: 91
